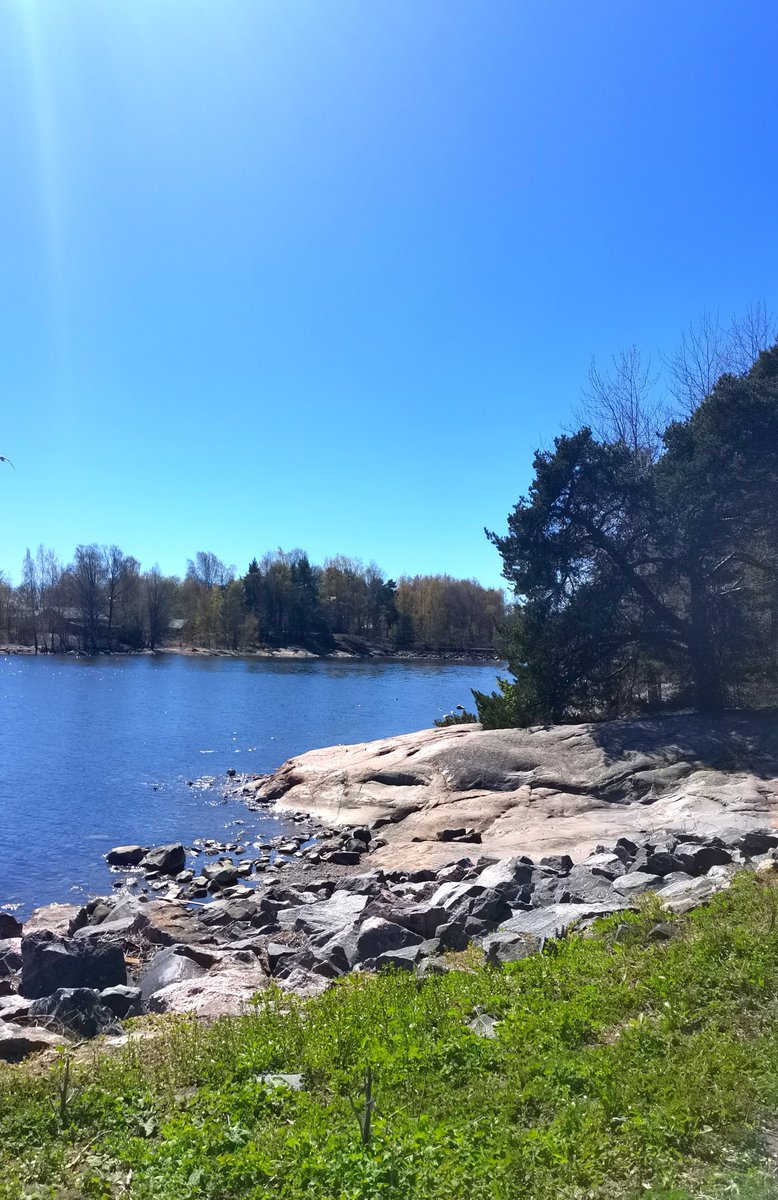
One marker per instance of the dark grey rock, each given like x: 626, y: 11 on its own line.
x: 626, y: 849
x: 451, y: 835
x: 342, y: 858
x: 561, y: 863
x: 663, y: 862
x: 756, y: 841
x: 9, y: 926
x: 168, y: 860
x: 404, y: 958
x: 510, y: 876
x: 15, y: 1008
x: 124, y: 929
x: 373, y: 937
x: 697, y: 860
x: 453, y: 935
x: 10, y: 956
x: 451, y: 893
x: 78, y: 1010
x: 221, y: 874
x: 581, y: 886
x: 487, y: 906
x: 605, y: 864
x: 369, y: 884
x: 501, y: 947
x: 555, y: 920
x: 422, y: 919
x: 635, y: 882
x: 122, y: 1001
x: 325, y: 919
x: 126, y: 856
x: 170, y: 965
x: 50, y: 962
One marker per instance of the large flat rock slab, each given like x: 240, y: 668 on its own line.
x: 542, y: 790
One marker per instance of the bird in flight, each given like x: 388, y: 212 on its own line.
x: 4, y: 459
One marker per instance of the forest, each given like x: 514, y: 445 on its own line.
x: 102, y: 601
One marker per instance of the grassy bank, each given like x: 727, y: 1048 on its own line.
x: 623, y: 1065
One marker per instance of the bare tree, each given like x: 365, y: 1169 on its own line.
x: 700, y: 359
x: 157, y: 606
x: 624, y: 404
x: 30, y: 591
x: 88, y: 583
x: 708, y: 349
x: 749, y: 335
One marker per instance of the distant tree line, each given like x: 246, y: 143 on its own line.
x: 644, y: 557
x: 102, y: 601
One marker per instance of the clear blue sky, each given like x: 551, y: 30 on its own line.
x: 324, y: 274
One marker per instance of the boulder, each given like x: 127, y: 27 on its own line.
x: 635, y: 882
x: 680, y: 895
x: 505, y: 947
x: 582, y: 886
x: 697, y: 860
x: 304, y: 983
x: 509, y: 876
x: 50, y: 962
x: 371, y: 883
x: 170, y: 965
x: 451, y: 893
x: 663, y: 862
x: 560, y: 863
x: 77, y: 1010
x: 15, y: 1008
x: 122, y: 1001
x: 10, y: 956
x: 219, y: 993
x: 373, y: 937
x: 342, y: 858
x: 403, y: 959
x: 168, y: 860
x: 125, y: 929
x: 422, y: 919
x: 126, y: 856
x: 555, y: 920
x: 17, y: 1043
x: 62, y: 919
x: 756, y: 841
x: 328, y: 961
x: 326, y: 918
x: 606, y: 864
x: 222, y: 874
x: 9, y: 926
x: 453, y: 935
x: 485, y: 905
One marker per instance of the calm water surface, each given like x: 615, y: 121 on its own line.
x: 97, y: 752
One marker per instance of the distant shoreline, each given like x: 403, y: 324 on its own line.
x: 281, y: 653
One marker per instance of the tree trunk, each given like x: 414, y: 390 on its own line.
x: 706, y: 675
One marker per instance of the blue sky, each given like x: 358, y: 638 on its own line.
x: 325, y: 273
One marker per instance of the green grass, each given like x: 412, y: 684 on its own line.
x: 623, y: 1067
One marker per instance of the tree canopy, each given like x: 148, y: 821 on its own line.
x: 649, y: 578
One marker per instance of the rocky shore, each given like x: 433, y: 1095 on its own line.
x: 405, y: 850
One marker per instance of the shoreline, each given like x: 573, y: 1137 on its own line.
x: 281, y: 653
x: 395, y: 854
